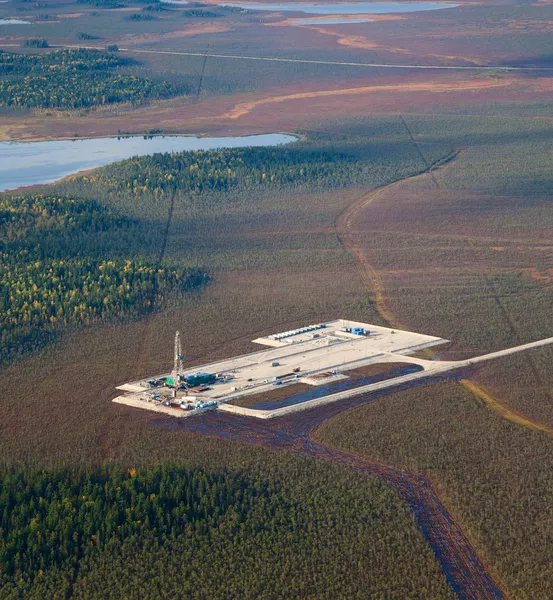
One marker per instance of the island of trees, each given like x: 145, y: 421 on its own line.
x: 70, y: 79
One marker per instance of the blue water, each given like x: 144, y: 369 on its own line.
x: 331, y: 21
x: 32, y: 163
x: 357, y: 8
x: 319, y: 391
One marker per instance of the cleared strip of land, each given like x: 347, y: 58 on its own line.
x: 503, y: 411
x: 318, y: 62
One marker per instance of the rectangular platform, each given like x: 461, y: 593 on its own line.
x: 336, y: 346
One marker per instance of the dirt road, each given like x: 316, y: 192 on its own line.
x: 463, y: 568
x: 317, y: 62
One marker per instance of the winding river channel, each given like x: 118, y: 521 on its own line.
x: 34, y: 163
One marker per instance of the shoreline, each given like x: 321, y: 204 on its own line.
x: 81, y: 172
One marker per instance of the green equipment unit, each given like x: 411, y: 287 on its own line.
x: 199, y: 379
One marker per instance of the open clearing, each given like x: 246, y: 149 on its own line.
x: 313, y: 355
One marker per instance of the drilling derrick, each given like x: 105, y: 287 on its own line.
x: 177, y: 366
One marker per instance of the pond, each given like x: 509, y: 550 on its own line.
x: 32, y: 163
x: 357, y: 8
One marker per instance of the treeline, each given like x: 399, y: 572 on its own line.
x: 223, y: 170
x: 117, y: 3
x: 74, y: 79
x: 177, y: 532
x: 200, y: 13
x: 63, y: 263
x: 60, y: 61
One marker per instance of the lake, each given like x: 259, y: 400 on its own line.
x: 330, y: 21
x: 32, y: 163
x: 357, y: 8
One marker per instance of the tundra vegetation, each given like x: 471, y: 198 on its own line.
x: 276, y: 263
x: 467, y: 257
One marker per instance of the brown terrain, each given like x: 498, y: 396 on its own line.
x: 443, y: 245
x: 280, y: 109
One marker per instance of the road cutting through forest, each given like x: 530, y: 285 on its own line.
x: 465, y: 571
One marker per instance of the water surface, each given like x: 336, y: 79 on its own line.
x: 32, y: 163
x: 331, y: 21
x: 357, y: 8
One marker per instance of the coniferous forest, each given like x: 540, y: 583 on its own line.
x: 68, y: 79
x: 177, y: 532
x: 67, y: 262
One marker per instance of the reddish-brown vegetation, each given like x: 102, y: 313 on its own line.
x: 299, y: 106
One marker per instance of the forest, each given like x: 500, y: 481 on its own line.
x: 193, y: 532
x: 228, y: 169
x: 66, y: 262
x: 496, y: 476
x: 60, y: 61
x: 117, y: 3
x: 69, y: 79
x: 51, y: 282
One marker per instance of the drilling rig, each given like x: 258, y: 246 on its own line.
x: 177, y: 366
